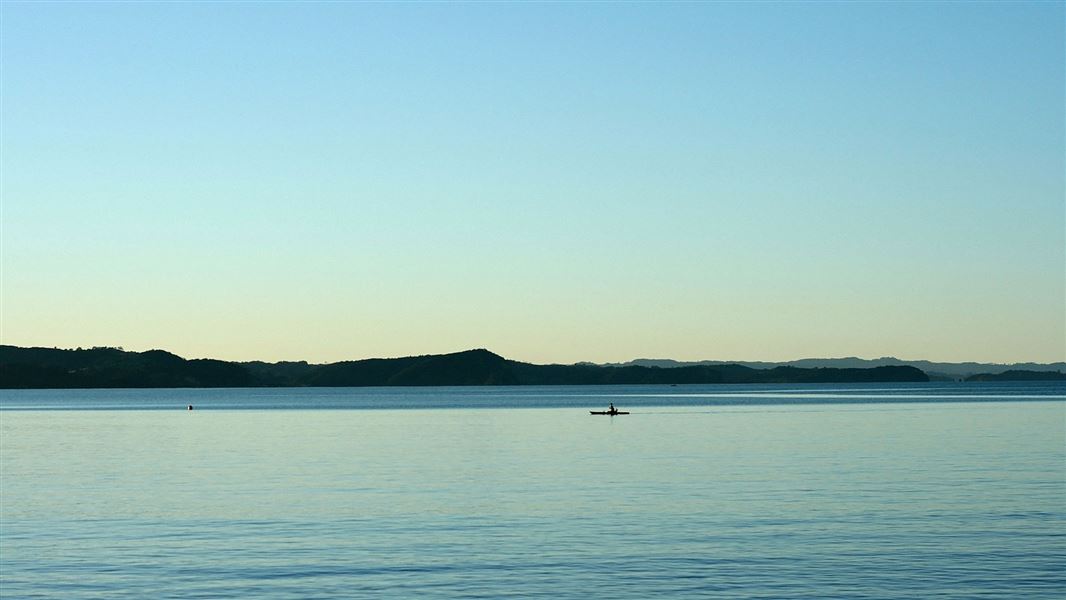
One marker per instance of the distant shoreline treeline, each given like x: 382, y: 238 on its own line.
x: 1019, y: 375
x: 104, y: 367
x: 116, y: 368
x: 937, y: 371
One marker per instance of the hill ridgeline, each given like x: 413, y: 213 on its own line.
x: 116, y: 368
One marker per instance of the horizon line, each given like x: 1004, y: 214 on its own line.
x: 607, y: 363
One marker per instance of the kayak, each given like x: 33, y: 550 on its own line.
x: 607, y: 412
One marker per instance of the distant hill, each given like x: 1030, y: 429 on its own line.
x: 116, y: 368
x: 473, y: 367
x: 1018, y: 375
x: 935, y: 370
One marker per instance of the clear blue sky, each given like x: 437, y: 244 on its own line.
x: 555, y: 182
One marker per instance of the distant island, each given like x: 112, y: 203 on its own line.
x: 104, y: 367
x: 937, y: 371
x: 1019, y: 375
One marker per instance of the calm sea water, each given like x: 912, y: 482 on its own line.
x: 876, y: 491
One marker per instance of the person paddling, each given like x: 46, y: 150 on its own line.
x: 612, y: 409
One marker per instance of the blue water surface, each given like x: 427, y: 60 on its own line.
x: 822, y: 491
x: 526, y: 396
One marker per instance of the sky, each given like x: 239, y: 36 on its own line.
x: 555, y: 182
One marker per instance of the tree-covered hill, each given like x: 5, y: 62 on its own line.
x: 1019, y: 375
x: 116, y: 368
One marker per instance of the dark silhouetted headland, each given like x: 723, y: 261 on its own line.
x: 1019, y: 375
x: 116, y: 368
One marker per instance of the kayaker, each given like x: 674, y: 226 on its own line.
x: 611, y: 409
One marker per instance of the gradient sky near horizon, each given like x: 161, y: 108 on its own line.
x: 555, y: 182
